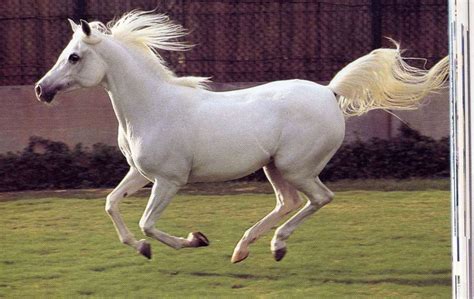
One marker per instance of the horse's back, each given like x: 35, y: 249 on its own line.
x: 300, y: 98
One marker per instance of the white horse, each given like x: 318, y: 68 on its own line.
x: 174, y: 131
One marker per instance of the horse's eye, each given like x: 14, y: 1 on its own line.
x: 73, y: 58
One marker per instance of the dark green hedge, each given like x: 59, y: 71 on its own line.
x: 408, y: 155
x: 45, y: 164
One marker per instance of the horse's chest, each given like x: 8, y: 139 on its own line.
x: 157, y: 158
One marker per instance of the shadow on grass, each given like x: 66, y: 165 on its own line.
x: 399, y: 281
x: 235, y: 275
x: 439, y: 281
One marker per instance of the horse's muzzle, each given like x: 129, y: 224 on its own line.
x: 43, y: 94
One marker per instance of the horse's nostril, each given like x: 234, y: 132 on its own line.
x: 38, y: 90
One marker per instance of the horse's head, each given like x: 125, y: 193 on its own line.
x: 79, y: 65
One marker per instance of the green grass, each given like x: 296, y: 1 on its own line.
x: 364, y: 244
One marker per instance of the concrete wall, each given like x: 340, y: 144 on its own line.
x: 86, y: 116
x: 82, y: 116
x: 431, y: 119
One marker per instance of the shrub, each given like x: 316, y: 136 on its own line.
x: 45, y: 164
x: 408, y: 155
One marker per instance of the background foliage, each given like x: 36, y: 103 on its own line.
x: 46, y: 164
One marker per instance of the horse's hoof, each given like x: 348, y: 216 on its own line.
x: 199, y: 239
x: 239, y: 256
x: 145, y: 249
x: 279, y: 254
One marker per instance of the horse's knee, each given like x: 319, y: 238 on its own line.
x: 110, y: 204
x: 112, y: 201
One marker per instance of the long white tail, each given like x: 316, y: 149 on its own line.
x: 383, y: 80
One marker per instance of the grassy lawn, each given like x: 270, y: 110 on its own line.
x: 364, y: 244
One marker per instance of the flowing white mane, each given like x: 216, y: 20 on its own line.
x: 154, y: 32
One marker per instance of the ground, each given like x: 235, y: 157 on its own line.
x: 366, y: 243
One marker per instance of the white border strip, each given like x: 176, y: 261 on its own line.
x: 461, y: 12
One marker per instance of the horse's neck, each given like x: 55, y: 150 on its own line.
x: 135, y: 89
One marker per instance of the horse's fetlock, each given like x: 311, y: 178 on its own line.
x: 280, y: 235
x: 147, y: 230
x: 127, y: 240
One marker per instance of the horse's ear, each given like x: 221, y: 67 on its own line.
x: 89, y: 37
x: 86, y: 28
x: 73, y: 25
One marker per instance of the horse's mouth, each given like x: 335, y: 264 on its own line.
x: 48, y: 98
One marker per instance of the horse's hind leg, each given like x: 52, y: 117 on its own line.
x: 130, y: 184
x: 287, y: 200
x: 318, y: 196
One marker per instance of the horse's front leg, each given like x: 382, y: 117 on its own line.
x: 161, y: 195
x: 130, y: 184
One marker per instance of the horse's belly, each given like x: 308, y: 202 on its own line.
x: 230, y: 165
